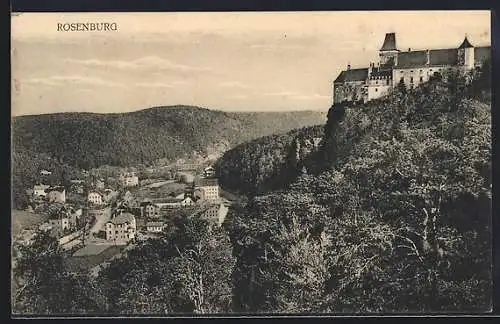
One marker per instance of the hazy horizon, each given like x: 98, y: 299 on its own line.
x: 174, y: 106
x: 239, y: 62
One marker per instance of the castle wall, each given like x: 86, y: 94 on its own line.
x: 350, y: 91
x: 379, y: 87
x: 413, y: 77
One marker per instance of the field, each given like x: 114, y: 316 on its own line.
x: 24, y: 220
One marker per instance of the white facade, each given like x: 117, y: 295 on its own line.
x: 121, y: 229
x: 155, y: 227
x: 187, y: 202
x: 129, y: 180
x: 95, y: 198
x: 210, y: 193
x: 378, y: 88
x: 62, y: 223
x: 57, y: 196
x: 413, y: 77
x: 39, y: 190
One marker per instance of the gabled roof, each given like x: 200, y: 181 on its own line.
x: 389, y: 42
x: 146, y: 203
x: 378, y: 72
x: 123, y: 218
x: 412, y: 59
x: 482, y: 53
x: 447, y: 56
x: 207, y: 182
x: 352, y: 75
x: 55, y: 188
x: 465, y: 44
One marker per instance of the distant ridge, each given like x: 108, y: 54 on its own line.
x: 86, y: 140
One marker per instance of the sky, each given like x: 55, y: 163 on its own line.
x: 241, y: 61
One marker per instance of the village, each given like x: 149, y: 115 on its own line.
x: 95, y: 218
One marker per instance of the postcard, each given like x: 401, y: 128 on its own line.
x: 258, y: 163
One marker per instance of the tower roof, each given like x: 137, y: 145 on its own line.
x: 465, y: 43
x: 389, y: 42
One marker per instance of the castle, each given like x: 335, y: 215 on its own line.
x: 410, y: 67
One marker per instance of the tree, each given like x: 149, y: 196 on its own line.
x: 203, y: 268
x: 39, y: 274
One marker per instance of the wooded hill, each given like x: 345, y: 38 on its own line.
x: 87, y: 140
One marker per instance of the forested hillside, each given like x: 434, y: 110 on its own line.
x: 394, y: 215
x: 267, y: 163
x: 396, y: 219
x: 87, y: 140
x: 26, y: 167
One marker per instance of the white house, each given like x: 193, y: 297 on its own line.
x: 95, y: 198
x: 121, y: 229
x: 186, y: 202
x: 39, y: 190
x: 56, y: 194
x: 155, y: 227
x: 210, y: 188
x: 129, y: 179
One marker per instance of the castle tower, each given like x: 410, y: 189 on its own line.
x: 466, y: 54
x: 389, y: 52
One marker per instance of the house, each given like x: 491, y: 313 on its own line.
x: 95, y: 198
x: 209, y: 189
x: 56, y: 194
x: 60, y: 219
x: 121, y: 228
x: 128, y: 197
x: 62, y: 223
x: 216, y: 214
x: 149, y: 210
x: 155, y: 227
x: 74, y: 217
x: 209, y: 172
x: 169, y: 203
x: 187, y: 201
x: 412, y: 68
x: 129, y: 179
x: 45, y: 172
x: 39, y: 190
x: 99, y: 184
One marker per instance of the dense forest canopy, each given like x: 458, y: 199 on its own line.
x: 268, y: 162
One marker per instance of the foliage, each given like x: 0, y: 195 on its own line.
x: 266, y: 163
x: 404, y: 194
x: 86, y: 140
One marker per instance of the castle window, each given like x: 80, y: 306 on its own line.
x: 421, y: 79
x: 411, y: 79
x: 387, y: 81
x: 376, y: 89
x: 376, y: 82
x: 411, y: 71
